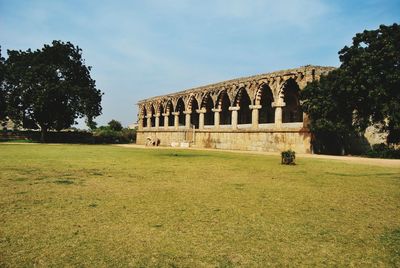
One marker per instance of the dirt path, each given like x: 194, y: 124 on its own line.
x: 348, y: 159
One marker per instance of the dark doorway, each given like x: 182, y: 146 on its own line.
x: 267, y: 112
x: 153, y: 118
x: 180, y: 107
x: 161, y: 124
x: 209, y: 115
x: 225, y: 114
x: 144, y: 120
x: 291, y: 111
x: 194, y: 117
x: 244, y: 114
x: 170, y: 109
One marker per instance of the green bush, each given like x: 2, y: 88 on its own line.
x: 52, y: 136
x: 129, y: 135
x: 107, y: 135
x: 383, y: 151
x: 288, y: 157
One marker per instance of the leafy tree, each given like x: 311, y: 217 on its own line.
x: 330, y: 110
x: 363, y: 91
x: 115, y: 125
x: 371, y: 68
x: 50, y: 88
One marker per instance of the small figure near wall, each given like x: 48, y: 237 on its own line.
x: 152, y: 142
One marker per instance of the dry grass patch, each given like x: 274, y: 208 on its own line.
x: 81, y: 205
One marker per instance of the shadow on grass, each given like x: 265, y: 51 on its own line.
x: 63, y: 181
x: 391, y: 241
x: 184, y: 155
x: 359, y: 175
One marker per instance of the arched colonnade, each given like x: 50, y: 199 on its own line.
x: 238, y: 105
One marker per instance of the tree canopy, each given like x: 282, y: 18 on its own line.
x: 51, y: 87
x: 115, y: 125
x: 363, y: 91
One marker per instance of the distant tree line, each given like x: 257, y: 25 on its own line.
x: 113, y: 133
x: 48, y: 89
x: 363, y: 91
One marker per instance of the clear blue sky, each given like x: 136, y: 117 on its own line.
x: 140, y: 49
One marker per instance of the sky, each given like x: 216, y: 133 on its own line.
x: 140, y: 49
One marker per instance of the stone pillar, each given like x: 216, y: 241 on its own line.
x: 187, y: 119
x: 278, y: 113
x: 201, y: 113
x: 140, y: 123
x: 157, y: 125
x: 254, y: 115
x: 148, y: 121
x: 165, y: 119
x: 216, y: 117
x: 234, y: 110
x: 306, y: 120
x: 176, y: 119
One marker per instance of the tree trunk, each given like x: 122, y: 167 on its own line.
x: 43, y: 134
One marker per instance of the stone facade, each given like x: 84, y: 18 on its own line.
x: 261, y: 112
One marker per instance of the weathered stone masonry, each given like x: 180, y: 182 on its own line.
x: 261, y: 112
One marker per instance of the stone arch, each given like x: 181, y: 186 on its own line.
x: 242, y: 100
x: 152, y: 113
x: 277, y: 84
x: 208, y: 105
x: 169, y: 109
x: 224, y: 103
x: 265, y: 98
x: 252, y: 89
x: 143, y: 115
x: 292, y: 111
x: 160, y: 114
x: 231, y: 93
x: 180, y: 107
x: 214, y: 96
x: 193, y: 105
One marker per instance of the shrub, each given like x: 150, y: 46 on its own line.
x: 108, y: 135
x: 52, y: 136
x: 129, y: 135
x: 288, y: 157
x: 383, y: 151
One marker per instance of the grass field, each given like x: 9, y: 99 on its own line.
x: 76, y: 205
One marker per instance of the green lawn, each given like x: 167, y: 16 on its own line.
x: 77, y: 205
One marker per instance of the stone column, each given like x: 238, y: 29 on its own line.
x: 254, y: 115
x: 306, y: 120
x: 148, y: 121
x: 140, y: 123
x: 234, y: 110
x: 216, y: 117
x: 157, y: 125
x: 176, y: 119
x: 278, y: 113
x: 201, y: 113
x: 165, y: 119
x: 187, y: 119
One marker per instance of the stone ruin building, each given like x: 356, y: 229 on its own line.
x: 260, y: 112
